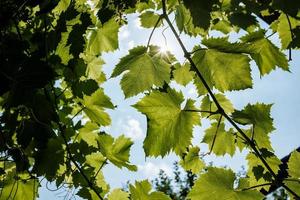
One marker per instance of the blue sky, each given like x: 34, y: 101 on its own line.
x: 279, y: 88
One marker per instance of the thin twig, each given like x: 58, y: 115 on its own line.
x: 63, y: 91
x: 256, y: 186
x: 73, y: 160
x: 101, y: 166
x: 79, y: 111
x: 252, y: 135
x: 10, y: 193
x: 292, y: 180
x: 151, y: 34
x: 292, y: 35
x: 199, y: 49
x: 201, y: 111
x: 215, y: 136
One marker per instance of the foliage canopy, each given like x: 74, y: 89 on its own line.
x: 53, y: 103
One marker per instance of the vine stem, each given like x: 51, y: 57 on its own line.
x: 292, y: 35
x: 151, y: 34
x: 101, y: 166
x: 62, y: 131
x: 90, y: 184
x: 256, y: 186
x: 215, y: 136
x: 220, y: 109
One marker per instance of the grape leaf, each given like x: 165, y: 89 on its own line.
x: 257, y: 172
x: 184, y: 23
x: 266, y: 55
x: 224, y: 140
x: 183, y: 75
x: 218, y: 183
x: 191, y: 161
x: 94, y: 107
x: 284, y: 32
x: 95, y: 160
x: 118, y: 194
x: 149, y: 19
x: 116, y: 150
x: 46, y: 166
x: 226, y: 71
x: 103, y: 39
x: 208, y: 105
x: 142, y: 191
x: 19, y: 189
x: 167, y: 122
x: 89, y: 133
x: 200, y: 12
x: 257, y: 115
x: 94, y: 69
x: 146, y: 68
x: 244, y: 20
x: 222, y: 44
x: 294, y: 172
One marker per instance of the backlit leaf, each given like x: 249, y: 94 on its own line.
x: 169, y: 126
x: 192, y: 161
x: 103, y: 39
x: 144, y: 70
x: 149, y: 19
x: 142, y: 191
x: 116, y: 150
x: 94, y: 107
x: 218, y: 183
x: 266, y: 55
x: 294, y: 172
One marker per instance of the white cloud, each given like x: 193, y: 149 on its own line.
x: 192, y: 91
x: 137, y: 23
x: 130, y: 44
x: 133, y: 129
x: 151, y: 170
x: 124, y: 34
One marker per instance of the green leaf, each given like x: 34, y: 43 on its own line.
x: 89, y: 133
x: 257, y: 172
x: 103, y: 39
x: 167, y: 122
x: 183, y: 75
x: 208, y: 105
x: 19, y: 189
x: 118, y: 194
x: 294, y: 173
x: 142, y: 191
x: 244, y: 20
x: 49, y: 167
x: 191, y: 161
x: 285, y: 32
x: 225, y: 71
x: 145, y: 70
x: 266, y: 55
x: 257, y: 115
x: 224, y: 140
x: 94, y: 107
x: 184, y: 22
x: 200, y: 11
x: 218, y: 183
x: 116, y: 150
x: 86, y: 87
x: 223, y: 25
x: 149, y: 19
x: 95, y: 160
x: 222, y: 44
x: 94, y: 69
